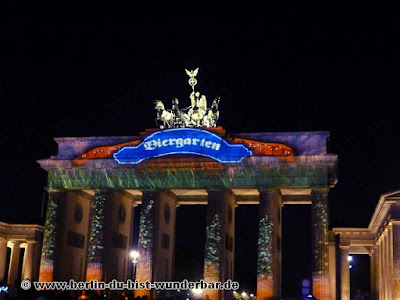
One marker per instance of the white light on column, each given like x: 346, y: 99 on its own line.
x: 134, y: 255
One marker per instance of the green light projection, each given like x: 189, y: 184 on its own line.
x: 264, y: 260
x: 212, y: 249
x: 213, y: 240
x: 49, y: 237
x: 49, y: 241
x: 146, y: 227
x: 320, y: 232
x: 145, y: 243
x: 151, y: 179
x: 96, y: 237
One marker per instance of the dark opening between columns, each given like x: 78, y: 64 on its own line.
x: 296, y: 248
x: 360, y: 284
x: 246, y: 247
x: 189, y: 242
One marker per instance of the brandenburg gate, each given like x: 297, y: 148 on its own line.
x: 94, y: 183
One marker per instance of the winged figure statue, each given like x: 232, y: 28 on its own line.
x: 192, y: 73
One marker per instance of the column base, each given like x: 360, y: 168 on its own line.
x: 321, y: 287
x: 46, y: 270
x: 94, y: 271
x: 266, y: 288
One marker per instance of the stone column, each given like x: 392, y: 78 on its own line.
x: 3, y: 258
x: 386, y: 264
x: 27, y: 267
x: 373, y: 273
x: 97, y: 228
x: 144, y: 266
x: 378, y: 251
x: 156, y: 238
x: 220, y: 237
x: 269, y: 248
x: 384, y: 267
x: 332, y: 265
x: 164, y: 234
x: 117, y: 234
x: 37, y: 254
x: 390, y: 260
x: 381, y: 279
x: 14, y: 263
x: 46, y: 271
x: 319, y: 212
x: 344, y: 272
x: 396, y: 260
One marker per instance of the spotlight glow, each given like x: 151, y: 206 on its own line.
x: 197, y: 291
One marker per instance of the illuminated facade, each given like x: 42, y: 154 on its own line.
x: 95, y: 182
x: 381, y: 241
x: 24, y: 243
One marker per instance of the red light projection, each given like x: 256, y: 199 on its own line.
x: 271, y: 149
x: 282, y: 151
x: 101, y: 152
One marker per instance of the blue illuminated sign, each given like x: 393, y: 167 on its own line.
x: 183, y: 141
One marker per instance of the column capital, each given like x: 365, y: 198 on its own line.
x: 373, y: 250
x: 89, y: 191
x: 344, y: 247
x: 15, y: 242
x: 58, y: 191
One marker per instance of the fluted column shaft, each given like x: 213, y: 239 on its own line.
x: 345, y: 273
x: 27, y: 267
x: 14, y: 263
x: 319, y: 211
x: 46, y: 272
x: 269, y: 254
x: 144, y: 267
x: 390, y: 260
x: 373, y: 274
x: 220, y: 241
x: 396, y: 260
x: 95, y: 253
x: 3, y: 258
x: 381, y: 271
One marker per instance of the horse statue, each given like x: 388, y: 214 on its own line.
x: 196, y: 115
x: 213, y: 113
x: 166, y: 117
x: 181, y: 117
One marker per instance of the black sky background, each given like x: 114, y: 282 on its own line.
x: 94, y: 69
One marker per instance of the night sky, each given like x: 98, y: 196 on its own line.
x: 90, y: 69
